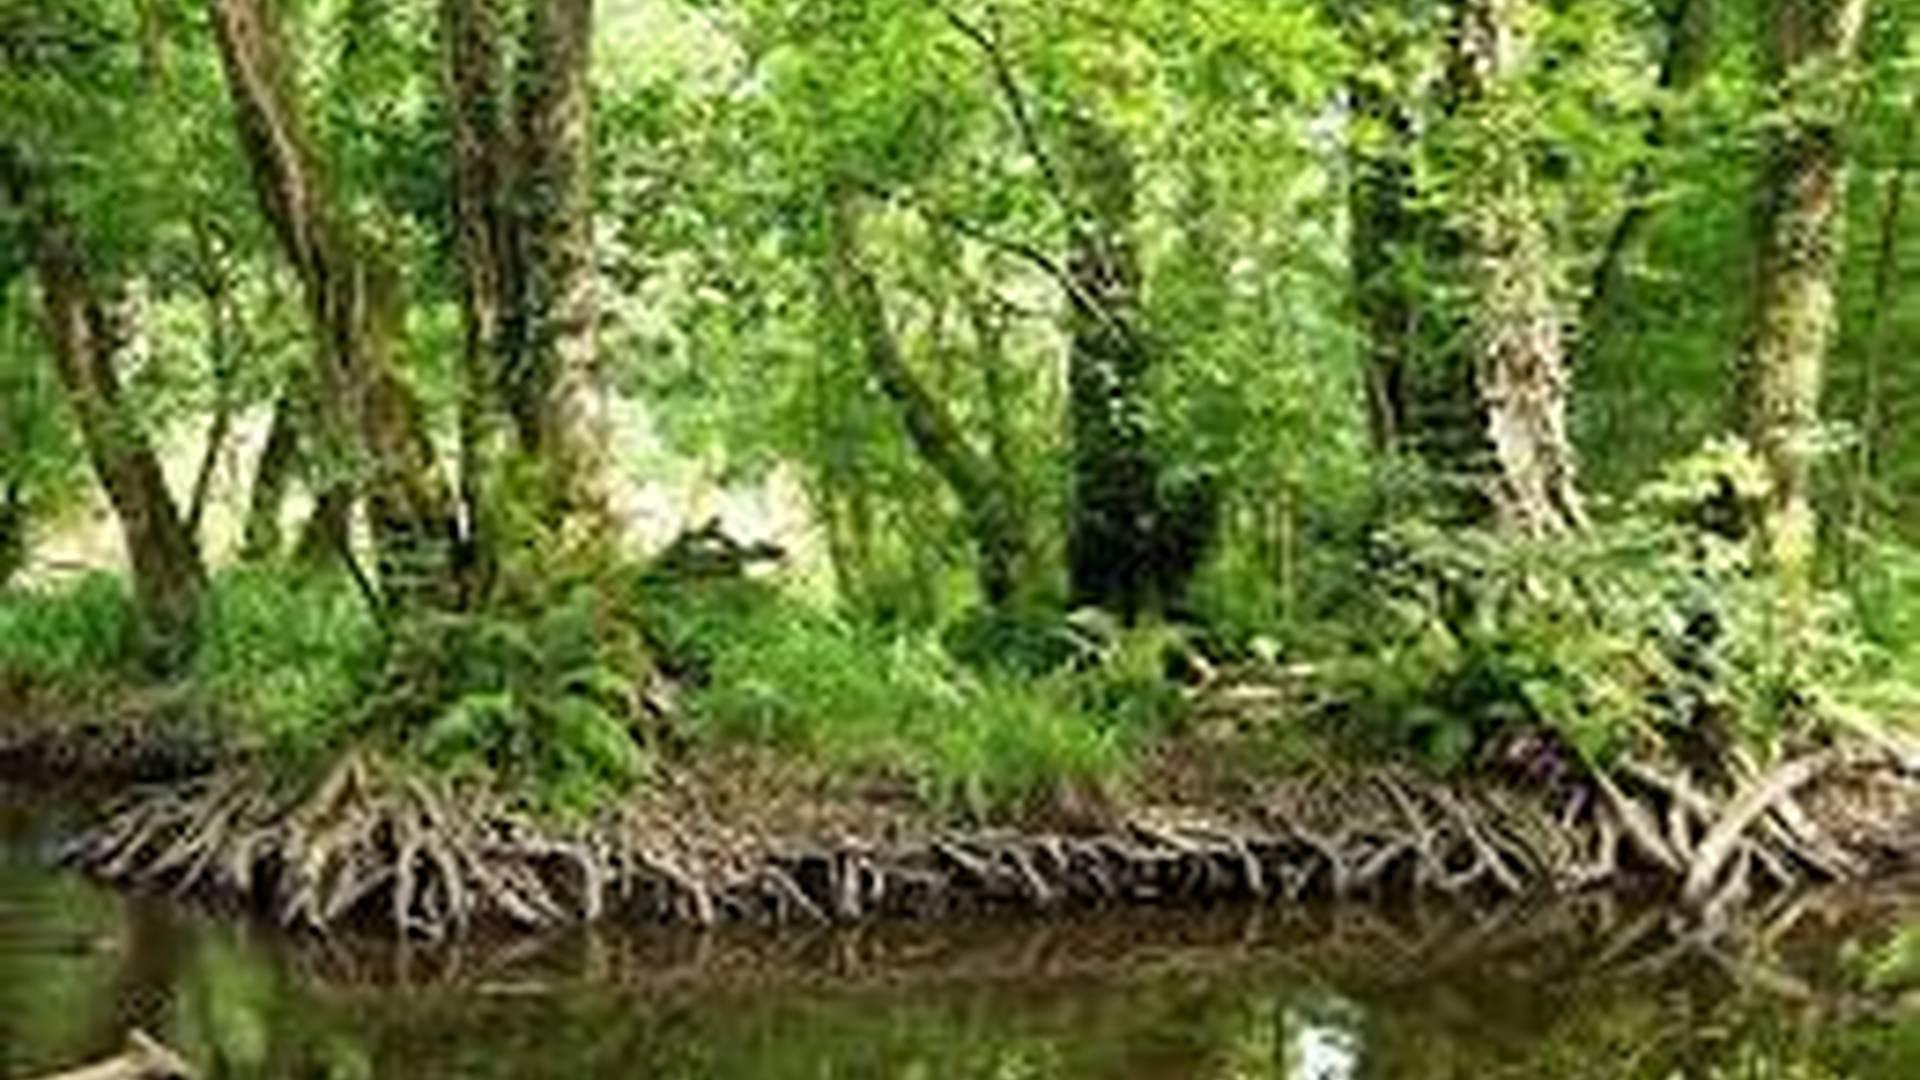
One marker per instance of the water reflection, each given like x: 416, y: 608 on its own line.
x: 1573, y: 991
x: 1322, y: 1050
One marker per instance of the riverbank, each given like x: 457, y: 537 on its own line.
x: 757, y: 838
x: 1547, y: 988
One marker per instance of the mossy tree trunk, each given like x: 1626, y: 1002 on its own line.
x: 273, y: 474
x: 522, y: 183
x: 169, y: 577
x: 368, y: 416
x: 476, y: 96
x: 1133, y: 542
x: 552, y: 384
x: 983, y: 491
x: 1809, y: 59
x: 1515, y: 321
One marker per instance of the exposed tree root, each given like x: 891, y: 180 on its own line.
x: 377, y: 846
x: 370, y: 846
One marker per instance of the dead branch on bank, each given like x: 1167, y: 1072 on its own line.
x: 143, y: 1058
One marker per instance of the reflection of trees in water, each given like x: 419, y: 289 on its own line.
x: 1567, y: 991
x: 58, y: 960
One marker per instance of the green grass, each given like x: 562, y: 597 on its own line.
x: 70, y: 636
x: 778, y: 672
x: 285, y: 659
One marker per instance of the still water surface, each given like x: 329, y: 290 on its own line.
x: 1549, y: 993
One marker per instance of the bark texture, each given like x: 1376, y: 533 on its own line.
x: 476, y: 96
x: 1809, y: 56
x: 522, y: 183
x: 1519, y: 358
x: 168, y: 574
x: 552, y: 382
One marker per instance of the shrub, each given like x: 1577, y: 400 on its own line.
x: 1650, y: 626
x: 545, y: 692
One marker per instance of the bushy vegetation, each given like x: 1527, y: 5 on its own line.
x: 1641, y: 634
x: 286, y: 658
x: 1113, y: 361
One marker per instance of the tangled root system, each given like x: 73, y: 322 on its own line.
x: 375, y: 845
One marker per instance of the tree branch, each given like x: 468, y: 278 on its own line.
x: 1019, y: 108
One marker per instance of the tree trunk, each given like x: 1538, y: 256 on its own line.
x: 1809, y: 50
x: 1132, y: 547
x: 475, y: 72
x: 272, y: 479
x: 352, y: 298
x: 327, y: 536
x: 992, y: 517
x: 168, y: 575
x: 1519, y: 357
x: 13, y: 532
x: 551, y: 382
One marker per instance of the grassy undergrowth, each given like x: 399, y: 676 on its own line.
x: 582, y: 689
x: 1652, y: 631
x: 775, y: 671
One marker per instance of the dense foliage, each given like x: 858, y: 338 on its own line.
x: 1469, y: 369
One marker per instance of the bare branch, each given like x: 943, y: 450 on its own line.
x: 1018, y: 107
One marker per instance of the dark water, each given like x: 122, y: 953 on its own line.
x: 1568, y: 991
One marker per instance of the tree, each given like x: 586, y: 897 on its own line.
x: 523, y: 223
x: 1515, y: 323
x: 978, y: 483
x: 1133, y: 540
x: 85, y: 334
x: 369, y: 417
x: 1808, y: 60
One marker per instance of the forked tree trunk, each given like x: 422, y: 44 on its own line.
x: 993, y: 519
x: 168, y: 575
x: 1519, y: 356
x: 367, y: 413
x: 522, y: 184
x: 1809, y: 50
